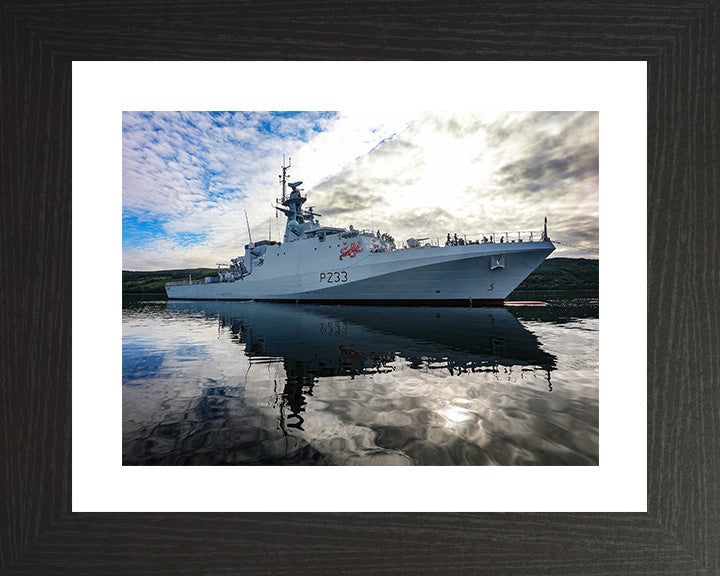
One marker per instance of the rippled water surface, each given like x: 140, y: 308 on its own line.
x: 224, y: 383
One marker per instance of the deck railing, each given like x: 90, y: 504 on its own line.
x: 486, y: 238
x: 507, y: 237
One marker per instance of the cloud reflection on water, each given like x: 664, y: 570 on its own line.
x: 285, y: 384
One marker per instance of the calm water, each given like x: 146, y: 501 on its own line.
x: 224, y: 383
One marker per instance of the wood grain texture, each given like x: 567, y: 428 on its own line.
x: 680, y: 534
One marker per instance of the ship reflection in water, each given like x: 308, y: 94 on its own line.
x: 222, y: 383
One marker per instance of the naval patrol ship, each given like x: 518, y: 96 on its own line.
x: 328, y: 265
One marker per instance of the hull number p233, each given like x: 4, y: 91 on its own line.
x: 333, y: 277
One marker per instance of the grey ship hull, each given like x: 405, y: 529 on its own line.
x: 452, y: 275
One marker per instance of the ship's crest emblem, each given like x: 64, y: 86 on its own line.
x: 350, y: 250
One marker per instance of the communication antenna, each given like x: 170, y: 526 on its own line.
x: 248, y: 227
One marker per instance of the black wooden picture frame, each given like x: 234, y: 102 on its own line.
x: 680, y: 533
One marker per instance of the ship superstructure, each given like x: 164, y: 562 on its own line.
x: 325, y: 264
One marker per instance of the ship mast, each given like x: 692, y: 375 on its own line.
x: 285, y: 175
x: 299, y: 221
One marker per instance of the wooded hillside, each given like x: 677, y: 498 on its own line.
x: 153, y: 282
x: 564, y: 274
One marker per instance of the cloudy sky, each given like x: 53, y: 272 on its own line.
x: 188, y: 177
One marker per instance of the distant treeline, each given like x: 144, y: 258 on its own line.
x: 564, y: 274
x: 154, y: 282
x: 553, y: 274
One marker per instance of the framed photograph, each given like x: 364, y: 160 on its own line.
x: 647, y: 506
x: 377, y: 386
